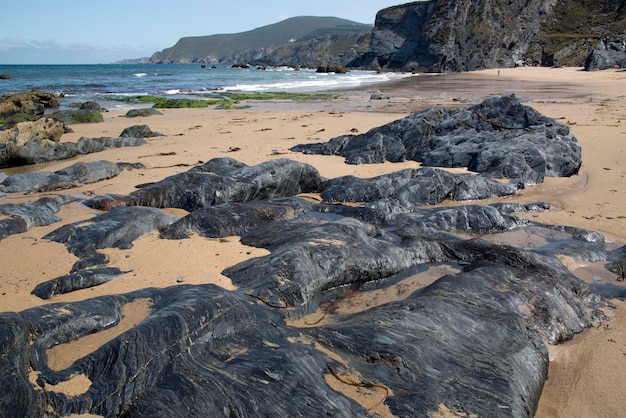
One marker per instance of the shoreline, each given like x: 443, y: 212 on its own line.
x: 590, y: 103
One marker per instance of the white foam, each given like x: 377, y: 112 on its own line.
x: 320, y: 81
x: 140, y: 74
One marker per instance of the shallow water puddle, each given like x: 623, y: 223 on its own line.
x: 354, y: 301
x: 343, y: 379
x: 62, y: 356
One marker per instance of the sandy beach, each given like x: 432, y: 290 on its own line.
x: 586, y: 375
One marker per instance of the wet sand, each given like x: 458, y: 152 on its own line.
x: 587, y: 374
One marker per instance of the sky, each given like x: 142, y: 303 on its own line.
x: 100, y: 32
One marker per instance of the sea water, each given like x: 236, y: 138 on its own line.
x: 79, y: 83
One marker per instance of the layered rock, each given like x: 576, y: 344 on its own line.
x: 499, y: 138
x: 473, y: 342
x: 72, y: 176
x: 442, y: 36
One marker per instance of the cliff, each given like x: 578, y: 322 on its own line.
x: 443, y: 36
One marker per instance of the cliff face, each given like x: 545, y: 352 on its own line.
x: 465, y: 35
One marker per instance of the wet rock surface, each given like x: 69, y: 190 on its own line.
x: 22, y: 217
x: 221, y: 180
x: 499, y: 138
x: 473, y: 340
x: 75, y: 175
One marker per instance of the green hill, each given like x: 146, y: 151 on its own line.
x: 217, y: 48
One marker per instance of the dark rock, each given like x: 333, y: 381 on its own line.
x: 78, y: 116
x: 139, y: 131
x: 332, y: 68
x: 411, y: 187
x: 80, y: 280
x: 231, y: 219
x: 150, y: 111
x: 429, y: 335
x: 5, y: 77
x: 222, y: 180
x: 199, y: 350
x: 34, y: 151
x: 498, y: 138
x: 473, y: 340
x: 27, y: 215
x: 204, y: 348
x: 72, y: 176
x: 33, y: 103
x: 92, y: 105
x: 115, y: 229
x: 609, y: 53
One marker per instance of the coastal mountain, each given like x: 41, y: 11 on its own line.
x: 425, y: 36
x: 444, y: 36
x: 280, y: 41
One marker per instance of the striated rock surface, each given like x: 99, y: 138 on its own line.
x: 471, y: 339
x: 499, y: 138
x: 74, y: 175
x: 22, y: 217
x: 221, y: 180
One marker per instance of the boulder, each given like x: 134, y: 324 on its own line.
x: 75, y: 175
x: 221, y: 180
x: 33, y: 103
x: 609, y: 53
x: 35, y: 151
x: 473, y: 341
x: 92, y: 105
x: 76, y: 281
x: 150, y: 111
x: 5, y: 77
x: 44, y: 129
x: 413, y: 187
x: 499, y: 138
x: 139, y: 131
x: 22, y: 217
x: 115, y: 229
x: 78, y: 116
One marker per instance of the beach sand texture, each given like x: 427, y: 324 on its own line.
x: 587, y: 376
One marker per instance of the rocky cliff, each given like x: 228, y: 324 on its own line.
x: 443, y: 36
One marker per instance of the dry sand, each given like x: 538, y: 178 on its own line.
x: 587, y: 376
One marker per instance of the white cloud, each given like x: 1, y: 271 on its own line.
x: 20, y: 51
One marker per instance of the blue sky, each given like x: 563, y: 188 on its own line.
x: 91, y: 32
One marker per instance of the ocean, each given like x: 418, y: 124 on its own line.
x: 80, y: 83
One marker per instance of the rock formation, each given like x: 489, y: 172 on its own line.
x: 32, y: 103
x: 499, y: 138
x: 442, y: 36
x: 609, y: 53
x: 74, y: 175
x: 473, y: 341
